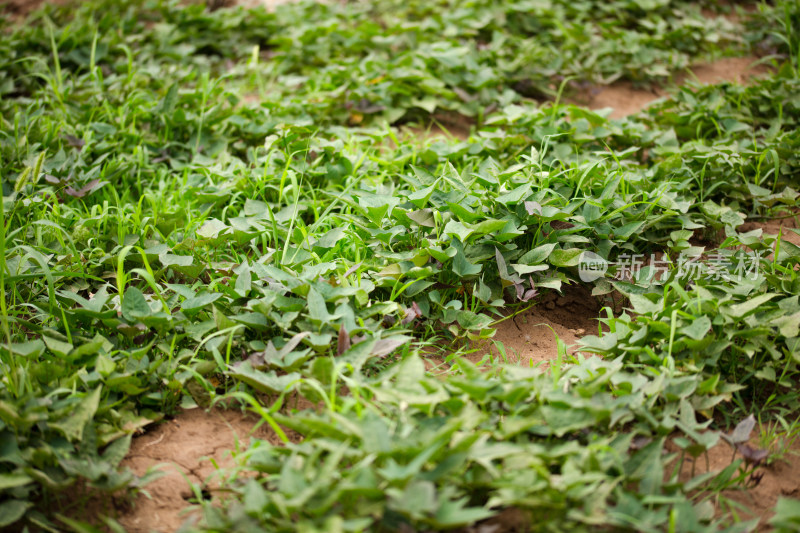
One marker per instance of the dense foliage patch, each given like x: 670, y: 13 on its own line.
x: 199, y: 205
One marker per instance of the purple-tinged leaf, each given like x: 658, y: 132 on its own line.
x: 86, y: 189
x: 75, y: 142
x: 561, y: 224
x: 533, y: 208
x: 412, y: 313
x: 742, y: 431
x: 464, y: 95
x: 501, y: 264
x: 384, y: 347
x: 752, y: 456
x: 529, y: 295
x: 344, y: 341
x: 130, y: 330
x: 520, y: 290
x: 352, y: 269
x: 293, y: 343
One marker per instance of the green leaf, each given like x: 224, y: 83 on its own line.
x: 603, y: 344
x: 358, y: 354
x: 788, y: 251
x: 788, y: 325
x: 31, y: 349
x: 457, y: 229
x: 454, y: 513
x: 464, y: 213
x: 318, y: 309
x: 96, y: 345
x: 58, y: 347
x: 516, y: 195
x: 418, y: 499
x: 134, y: 305
x: 262, y: 381
x: 463, y: 268
x: 14, y: 480
x: 565, y: 258
x: 643, y: 305
x: 745, y: 308
x: 117, y: 450
x: 420, y: 198
x: 201, y: 300
x: 175, y: 260
x: 698, y: 328
x: 623, y: 232
x: 12, y: 510
x: 488, y: 226
x: 787, y: 515
x: 377, y: 206
x: 72, y: 427
x: 538, y: 255
x: 104, y: 365
x: 168, y: 103
x: 330, y: 239
x: 524, y: 270
x: 423, y: 217
x: 472, y: 321
x: 211, y: 229
x: 244, y: 280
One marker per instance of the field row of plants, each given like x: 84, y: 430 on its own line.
x: 204, y: 206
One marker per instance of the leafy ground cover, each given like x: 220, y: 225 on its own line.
x: 220, y: 208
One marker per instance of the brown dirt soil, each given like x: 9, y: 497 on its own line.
x: 269, y: 4
x: 442, y: 125
x: 184, y: 448
x: 622, y: 97
x: 774, y: 226
x: 733, y: 69
x: 434, y: 132
x: 530, y: 338
x: 627, y: 100
x: 781, y: 478
x: 20, y: 8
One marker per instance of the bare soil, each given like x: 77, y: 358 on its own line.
x: 781, y: 478
x: 531, y: 338
x: 186, y: 449
x: 20, y: 8
x: 269, y: 4
x: 624, y: 99
x: 444, y: 125
x: 781, y: 225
